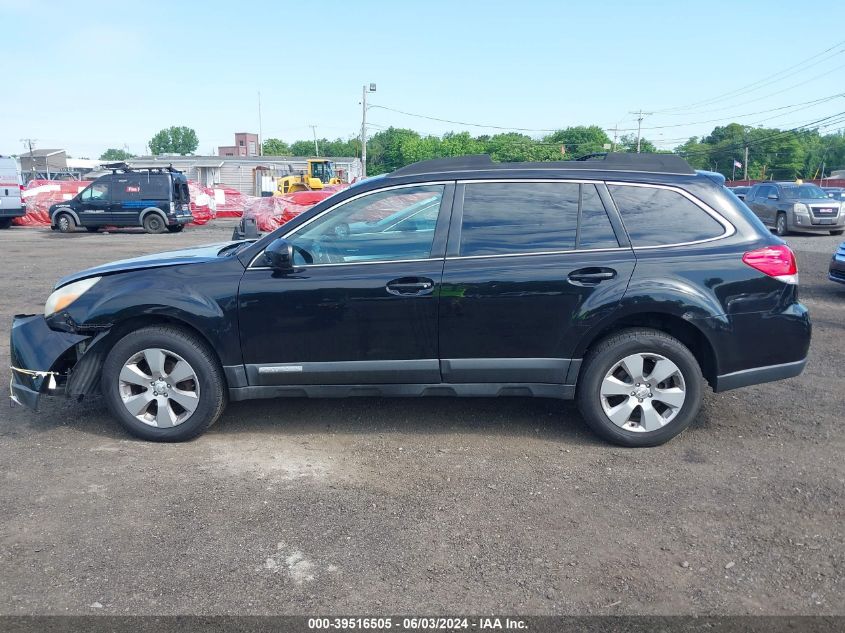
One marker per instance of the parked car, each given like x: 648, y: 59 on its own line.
x: 11, y: 190
x: 624, y: 282
x: 836, y: 272
x: 154, y: 198
x: 837, y: 193
x: 740, y: 192
x: 793, y: 206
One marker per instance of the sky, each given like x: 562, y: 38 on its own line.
x: 93, y: 75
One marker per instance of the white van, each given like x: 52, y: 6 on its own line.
x: 11, y: 204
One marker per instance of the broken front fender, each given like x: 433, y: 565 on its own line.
x: 39, y: 358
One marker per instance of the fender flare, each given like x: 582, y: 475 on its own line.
x: 67, y: 210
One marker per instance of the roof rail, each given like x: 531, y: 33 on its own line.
x: 125, y: 167
x: 610, y: 161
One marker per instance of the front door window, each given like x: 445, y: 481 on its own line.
x: 389, y: 225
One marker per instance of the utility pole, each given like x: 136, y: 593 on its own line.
x: 364, y: 90
x: 615, y: 135
x: 30, y: 142
x: 745, y: 164
x: 260, y: 137
x: 316, y: 148
x: 640, y: 116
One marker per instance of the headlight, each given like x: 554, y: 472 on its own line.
x: 66, y: 295
x: 800, y: 207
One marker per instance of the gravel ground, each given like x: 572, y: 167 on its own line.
x: 421, y: 506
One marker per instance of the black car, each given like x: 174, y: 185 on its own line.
x: 836, y: 272
x: 741, y: 191
x: 154, y: 198
x: 837, y: 193
x: 624, y: 282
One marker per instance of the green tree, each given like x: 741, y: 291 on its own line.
x: 174, y: 140
x: 577, y: 141
x: 302, y: 148
x: 275, y: 147
x: 628, y: 143
x: 113, y: 154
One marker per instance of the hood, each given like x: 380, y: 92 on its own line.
x: 194, y: 255
x: 826, y: 202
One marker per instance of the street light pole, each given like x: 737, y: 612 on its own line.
x: 364, y: 90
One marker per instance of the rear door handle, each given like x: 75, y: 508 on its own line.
x: 591, y: 276
x: 410, y: 286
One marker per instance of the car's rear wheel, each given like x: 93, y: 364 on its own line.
x: 154, y: 223
x: 781, y: 227
x: 163, y: 383
x: 838, y: 232
x: 5, y: 223
x: 65, y: 223
x: 92, y: 229
x: 176, y: 228
x: 639, y: 387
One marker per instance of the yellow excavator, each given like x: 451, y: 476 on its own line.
x: 320, y: 172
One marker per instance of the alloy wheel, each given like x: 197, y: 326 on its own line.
x: 159, y: 387
x: 643, y: 392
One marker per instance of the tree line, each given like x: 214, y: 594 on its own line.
x: 772, y: 153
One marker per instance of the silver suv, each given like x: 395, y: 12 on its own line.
x: 793, y: 206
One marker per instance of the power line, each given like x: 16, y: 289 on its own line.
x: 480, y: 125
x: 756, y: 99
x: 827, y: 121
x: 776, y: 76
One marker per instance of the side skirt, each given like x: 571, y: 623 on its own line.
x: 480, y: 390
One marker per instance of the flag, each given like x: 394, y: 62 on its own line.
x: 737, y: 164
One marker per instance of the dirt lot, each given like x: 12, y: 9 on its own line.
x: 422, y: 506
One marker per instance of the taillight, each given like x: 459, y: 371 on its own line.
x: 23, y: 202
x: 774, y: 261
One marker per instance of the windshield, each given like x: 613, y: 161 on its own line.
x: 803, y: 192
x: 323, y: 171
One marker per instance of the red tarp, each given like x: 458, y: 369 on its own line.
x: 206, y: 203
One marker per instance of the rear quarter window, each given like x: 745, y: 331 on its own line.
x: 660, y: 217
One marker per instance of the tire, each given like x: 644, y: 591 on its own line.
x: 605, y: 372
x: 126, y: 372
x: 92, y: 229
x: 176, y: 228
x: 154, y: 223
x: 5, y: 223
x: 65, y: 223
x: 837, y: 232
x: 781, y: 227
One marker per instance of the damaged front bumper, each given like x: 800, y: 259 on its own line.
x: 42, y: 359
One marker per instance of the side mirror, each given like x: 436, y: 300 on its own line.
x: 772, y: 196
x: 279, y: 255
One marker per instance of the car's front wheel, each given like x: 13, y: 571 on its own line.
x: 837, y: 232
x: 639, y: 387
x: 65, y: 223
x: 163, y: 383
x: 5, y: 223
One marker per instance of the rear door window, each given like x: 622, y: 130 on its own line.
x: 595, y: 230
x: 513, y: 218
x: 659, y: 217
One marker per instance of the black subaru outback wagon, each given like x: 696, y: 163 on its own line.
x: 154, y: 198
x: 625, y: 282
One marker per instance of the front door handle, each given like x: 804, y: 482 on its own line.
x: 410, y: 286
x: 591, y: 276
